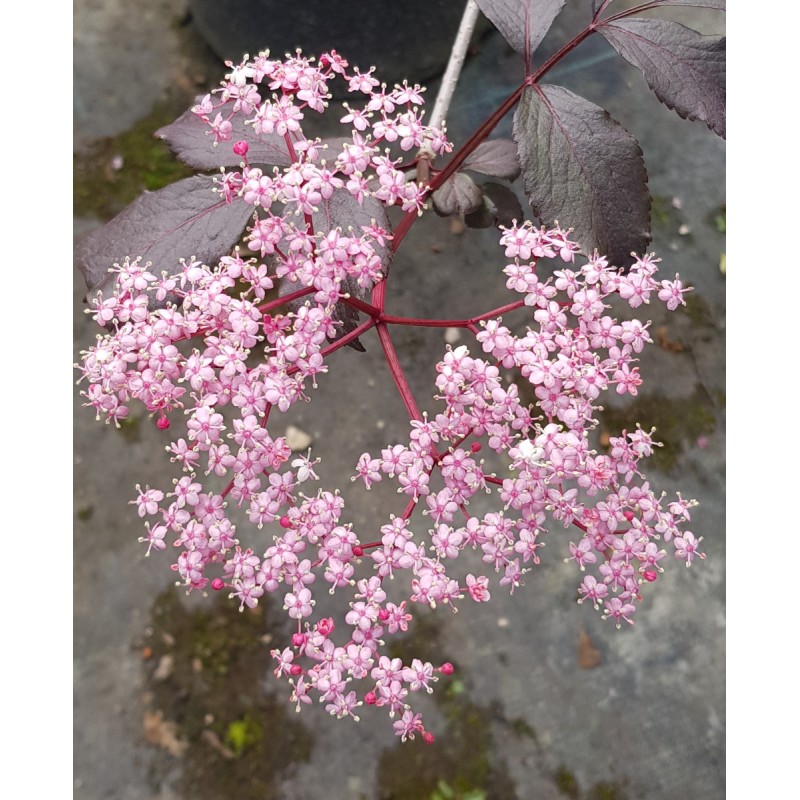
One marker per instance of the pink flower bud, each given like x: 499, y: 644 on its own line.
x: 629, y: 515
x: 326, y: 626
x: 285, y: 522
x: 241, y: 148
x: 295, y: 669
x: 428, y: 737
x: 447, y: 668
x: 358, y: 551
x: 298, y: 639
x: 383, y: 614
x: 475, y: 447
x: 217, y: 584
x: 650, y: 575
x: 370, y: 699
x: 163, y: 423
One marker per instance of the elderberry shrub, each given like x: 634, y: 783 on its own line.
x: 214, y: 361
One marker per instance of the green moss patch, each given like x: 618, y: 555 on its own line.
x: 678, y: 423
x: 567, y: 784
x: 117, y: 170
x: 463, y: 763
x: 239, y: 740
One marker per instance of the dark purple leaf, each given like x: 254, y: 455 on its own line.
x: 685, y: 69
x: 497, y: 157
x: 505, y: 204
x: 179, y: 221
x: 719, y: 5
x: 193, y: 143
x: 585, y: 170
x: 343, y: 211
x: 522, y: 23
x: 500, y: 207
x: 457, y: 195
x: 482, y: 218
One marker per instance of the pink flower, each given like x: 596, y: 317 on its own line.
x: 368, y: 470
x: 686, y: 547
x: 478, y: 588
x: 148, y: 500
x: 299, y: 604
x: 408, y: 725
x: 672, y: 293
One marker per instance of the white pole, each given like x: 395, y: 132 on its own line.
x: 453, y: 71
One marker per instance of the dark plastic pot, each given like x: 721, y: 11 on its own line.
x: 402, y: 38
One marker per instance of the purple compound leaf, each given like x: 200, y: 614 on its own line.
x: 503, y: 204
x: 344, y: 211
x: 191, y: 140
x: 179, y: 221
x: 718, y: 5
x: 685, y: 69
x: 193, y: 143
x: 482, y: 218
x: 500, y: 207
x: 496, y: 157
x: 522, y: 23
x: 459, y: 194
x: 596, y: 5
x: 583, y: 169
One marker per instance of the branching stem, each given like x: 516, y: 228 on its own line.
x: 397, y: 372
x: 421, y: 322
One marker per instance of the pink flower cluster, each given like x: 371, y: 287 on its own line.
x: 361, y: 164
x: 193, y: 358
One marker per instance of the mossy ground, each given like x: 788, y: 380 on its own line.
x: 679, y: 423
x: 463, y: 763
x: 567, y: 784
x: 115, y: 171
x: 240, y: 740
